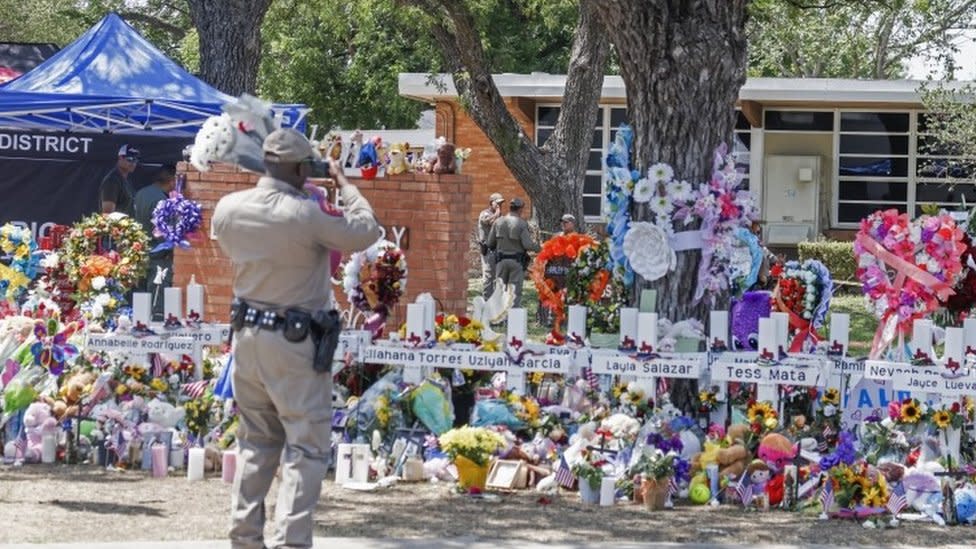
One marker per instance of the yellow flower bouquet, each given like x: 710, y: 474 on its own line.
x: 474, y: 443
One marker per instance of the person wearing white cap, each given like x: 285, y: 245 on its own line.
x: 486, y: 219
x: 567, y: 224
x: 279, y: 241
x: 116, y: 192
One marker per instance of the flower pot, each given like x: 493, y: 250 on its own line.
x: 655, y: 493
x: 600, y: 340
x: 588, y: 494
x: 470, y: 474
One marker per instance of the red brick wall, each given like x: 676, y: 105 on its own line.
x: 485, y: 166
x: 436, y: 209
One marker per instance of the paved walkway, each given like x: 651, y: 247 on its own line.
x: 458, y: 543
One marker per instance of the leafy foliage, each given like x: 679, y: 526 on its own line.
x: 837, y: 256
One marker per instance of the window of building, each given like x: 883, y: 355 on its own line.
x: 872, y: 163
x: 741, y: 145
x: 942, y: 176
x: 799, y: 121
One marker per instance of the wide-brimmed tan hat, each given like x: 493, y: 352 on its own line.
x: 496, y: 197
x: 287, y: 145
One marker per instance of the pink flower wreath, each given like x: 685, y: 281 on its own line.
x: 905, y: 268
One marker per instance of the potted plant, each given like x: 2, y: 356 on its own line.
x: 657, y: 469
x: 471, y: 448
x: 589, y: 471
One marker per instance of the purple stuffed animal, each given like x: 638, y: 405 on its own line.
x: 746, y: 313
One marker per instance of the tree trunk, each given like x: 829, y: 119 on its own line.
x: 230, y: 42
x: 683, y: 62
x: 553, y: 174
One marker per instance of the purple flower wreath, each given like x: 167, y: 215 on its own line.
x: 175, y: 220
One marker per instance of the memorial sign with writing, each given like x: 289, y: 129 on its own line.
x: 144, y: 345
x: 470, y: 360
x: 807, y: 371
x: 672, y: 365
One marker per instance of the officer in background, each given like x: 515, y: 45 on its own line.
x: 279, y: 242
x: 567, y: 224
x: 161, y: 262
x: 511, y: 239
x: 116, y: 192
x: 486, y: 219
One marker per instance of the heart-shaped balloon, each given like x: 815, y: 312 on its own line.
x: 906, y: 267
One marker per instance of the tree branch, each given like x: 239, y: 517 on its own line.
x: 153, y: 21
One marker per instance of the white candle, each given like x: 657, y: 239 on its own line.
x: 172, y: 302
x: 647, y: 331
x: 142, y: 307
x: 628, y: 324
x: 517, y: 324
x: 159, y: 457
x: 49, y: 446
x: 194, y: 298
x: 768, y: 338
x: 176, y: 456
x: 782, y: 328
x: 922, y: 336
x: 954, y: 347
x: 969, y: 327
x: 415, y: 322
x: 361, y: 456
x: 718, y: 328
x: 840, y: 330
x: 576, y: 324
x: 430, y: 317
x: 608, y: 490
x: 194, y: 467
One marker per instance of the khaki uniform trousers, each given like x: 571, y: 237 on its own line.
x: 284, y: 405
x: 511, y: 272
x: 487, y: 274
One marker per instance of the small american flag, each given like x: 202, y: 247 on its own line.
x: 896, y: 501
x: 196, y: 389
x: 158, y: 365
x: 672, y: 487
x: 591, y: 378
x: 662, y: 386
x: 20, y: 445
x: 827, y: 495
x: 744, y: 492
x: 828, y: 431
x: 564, y: 475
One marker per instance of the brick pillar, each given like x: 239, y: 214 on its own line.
x: 435, y: 209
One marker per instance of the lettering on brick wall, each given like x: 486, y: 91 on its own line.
x: 400, y: 236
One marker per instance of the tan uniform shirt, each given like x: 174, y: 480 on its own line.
x: 279, y: 242
x: 511, y: 235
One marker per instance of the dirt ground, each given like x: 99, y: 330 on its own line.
x: 69, y: 503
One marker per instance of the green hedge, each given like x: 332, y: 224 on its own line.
x: 837, y: 256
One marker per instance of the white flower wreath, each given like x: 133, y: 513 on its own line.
x: 646, y: 247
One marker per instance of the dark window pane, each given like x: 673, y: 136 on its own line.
x: 741, y: 122
x: 854, y: 213
x: 618, y: 117
x: 873, y: 144
x: 548, y: 116
x: 886, y: 122
x: 873, y: 166
x: 593, y: 184
x: 923, y: 123
x: 800, y: 120
x: 542, y: 136
x: 743, y: 142
x: 596, y: 161
x: 592, y: 205
x: 742, y: 165
x: 597, y: 142
x: 946, y: 168
x: 942, y: 192
x: 873, y: 190
x: 599, y: 116
x: 744, y: 184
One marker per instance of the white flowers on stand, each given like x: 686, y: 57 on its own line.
x: 648, y: 250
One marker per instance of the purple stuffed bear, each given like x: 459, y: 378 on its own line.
x: 746, y: 313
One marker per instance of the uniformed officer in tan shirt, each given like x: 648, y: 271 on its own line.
x: 511, y: 239
x: 279, y: 240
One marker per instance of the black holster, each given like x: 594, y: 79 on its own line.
x: 326, y: 328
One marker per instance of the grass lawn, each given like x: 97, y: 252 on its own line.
x: 863, y: 322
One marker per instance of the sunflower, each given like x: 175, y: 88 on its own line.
x: 910, y: 413
x: 874, y: 498
x: 832, y: 396
x: 760, y: 411
x: 942, y: 419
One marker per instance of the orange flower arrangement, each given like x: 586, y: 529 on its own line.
x: 557, y: 247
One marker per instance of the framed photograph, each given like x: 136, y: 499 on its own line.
x: 508, y: 474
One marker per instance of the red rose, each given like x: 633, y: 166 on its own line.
x: 955, y: 408
x: 464, y: 321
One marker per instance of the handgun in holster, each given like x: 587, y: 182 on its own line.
x: 326, y: 328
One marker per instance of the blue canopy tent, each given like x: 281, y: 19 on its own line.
x: 111, y: 79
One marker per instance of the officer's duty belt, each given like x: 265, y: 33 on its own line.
x: 295, y: 324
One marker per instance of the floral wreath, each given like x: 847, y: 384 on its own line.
x: 17, y: 243
x: 803, y: 291
x: 105, y: 252
x: 905, y: 267
x: 558, y: 247
x: 374, y: 280
x: 718, y: 207
x: 176, y: 219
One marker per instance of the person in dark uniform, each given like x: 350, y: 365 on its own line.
x: 511, y: 239
x: 161, y: 262
x: 116, y: 192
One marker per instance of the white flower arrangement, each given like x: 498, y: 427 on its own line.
x: 646, y: 247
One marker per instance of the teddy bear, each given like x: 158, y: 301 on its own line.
x: 164, y: 414
x: 70, y: 395
x: 398, y: 159
x: 38, y: 422
x: 732, y: 460
x: 777, y: 451
x: 445, y: 160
